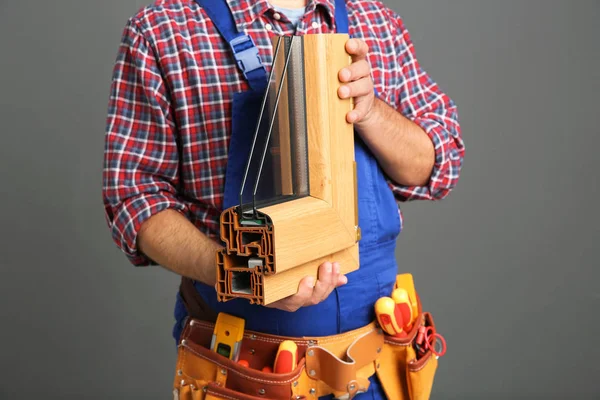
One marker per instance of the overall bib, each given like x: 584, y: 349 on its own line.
x: 349, y: 306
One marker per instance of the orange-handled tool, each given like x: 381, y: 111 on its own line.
x: 404, y: 307
x: 389, y: 316
x: 406, y: 282
x: 286, y: 358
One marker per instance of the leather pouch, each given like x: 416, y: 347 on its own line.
x: 337, y: 364
x: 402, y: 374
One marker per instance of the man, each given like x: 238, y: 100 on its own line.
x: 178, y: 97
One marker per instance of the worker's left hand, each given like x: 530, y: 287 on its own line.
x: 357, y: 82
x: 311, y: 293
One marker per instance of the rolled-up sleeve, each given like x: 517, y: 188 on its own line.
x: 419, y: 98
x: 140, y: 171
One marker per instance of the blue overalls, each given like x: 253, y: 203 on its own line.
x: 349, y: 306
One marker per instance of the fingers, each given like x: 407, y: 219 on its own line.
x: 305, y: 292
x: 342, y: 280
x: 362, y: 91
x: 362, y: 87
x: 355, y: 71
x: 361, y: 109
x: 357, y: 48
x: 328, y: 279
x: 301, y: 298
x: 311, y: 293
x: 357, y: 82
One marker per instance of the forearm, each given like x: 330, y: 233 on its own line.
x: 403, y: 149
x: 172, y: 241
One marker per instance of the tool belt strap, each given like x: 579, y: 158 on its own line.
x: 194, y: 303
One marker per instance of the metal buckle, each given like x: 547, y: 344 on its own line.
x: 247, y: 58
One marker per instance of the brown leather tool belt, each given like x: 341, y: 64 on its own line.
x: 338, y: 364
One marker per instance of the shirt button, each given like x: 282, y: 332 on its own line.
x: 277, y: 16
x: 315, y: 24
x: 269, y: 27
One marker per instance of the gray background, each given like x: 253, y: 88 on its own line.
x: 506, y: 263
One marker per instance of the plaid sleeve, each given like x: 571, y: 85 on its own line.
x: 420, y: 99
x: 140, y: 171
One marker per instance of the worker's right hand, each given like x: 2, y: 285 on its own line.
x: 311, y: 293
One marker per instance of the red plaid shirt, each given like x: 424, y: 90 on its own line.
x: 169, y: 115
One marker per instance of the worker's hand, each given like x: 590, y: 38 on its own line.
x: 357, y: 82
x: 311, y: 293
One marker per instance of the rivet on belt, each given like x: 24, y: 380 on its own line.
x: 311, y: 342
x: 352, y: 386
x: 312, y: 372
x: 223, y: 371
x: 295, y: 383
x: 313, y: 391
x: 252, y: 351
x: 261, y: 391
x: 182, y: 383
x: 310, y: 353
x: 179, y: 372
x: 192, y: 322
x: 253, y: 337
x: 183, y: 342
x: 379, y: 350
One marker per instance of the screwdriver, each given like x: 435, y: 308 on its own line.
x: 404, y: 306
x: 286, y: 358
x: 406, y: 282
x: 389, y: 316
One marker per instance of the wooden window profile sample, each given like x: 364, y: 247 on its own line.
x: 264, y: 262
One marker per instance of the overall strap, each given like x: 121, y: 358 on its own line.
x: 243, y: 47
x: 341, y: 16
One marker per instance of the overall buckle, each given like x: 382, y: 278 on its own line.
x: 246, y: 54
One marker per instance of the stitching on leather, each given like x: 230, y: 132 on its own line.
x: 318, y: 339
x: 184, y: 375
x: 396, y: 343
x: 419, y: 369
x: 351, y: 334
x: 241, y: 374
x: 429, y: 355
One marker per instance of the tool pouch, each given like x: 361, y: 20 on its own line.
x: 339, y: 365
x: 404, y: 374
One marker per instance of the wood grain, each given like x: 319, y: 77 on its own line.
x: 317, y: 116
x: 306, y: 229
x: 331, y: 137
x: 341, y: 135
x: 281, y: 285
